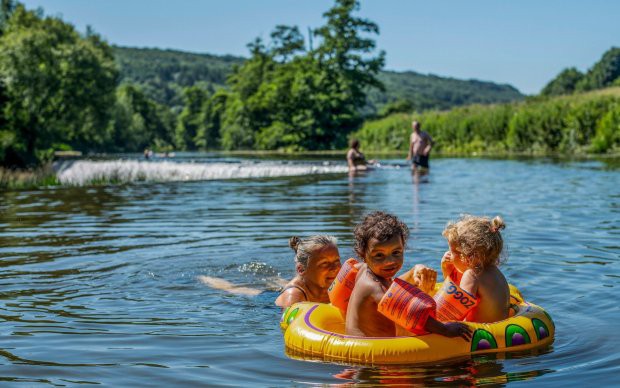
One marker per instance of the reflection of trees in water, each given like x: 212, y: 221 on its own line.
x: 480, y: 370
x: 44, y: 225
x: 26, y: 209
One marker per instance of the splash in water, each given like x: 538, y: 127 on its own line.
x: 84, y: 171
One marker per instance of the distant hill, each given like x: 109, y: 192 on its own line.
x: 162, y: 74
x: 435, y: 92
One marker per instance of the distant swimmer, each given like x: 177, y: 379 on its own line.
x: 317, y: 262
x: 420, y: 145
x: 356, y: 159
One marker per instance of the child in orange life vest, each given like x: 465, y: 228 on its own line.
x: 380, y: 242
x: 472, y: 263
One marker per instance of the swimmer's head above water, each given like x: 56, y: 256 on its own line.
x: 317, y: 262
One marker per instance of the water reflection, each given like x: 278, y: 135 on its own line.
x: 472, y: 372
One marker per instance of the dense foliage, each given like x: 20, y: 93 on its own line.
x: 604, y: 73
x: 60, y: 90
x: 63, y: 90
x: 57, y: 87
x: 164, y: 74
x: 563, y: 83
x: 587, y: 122
x: 288, y: 95
x: 549, y: 123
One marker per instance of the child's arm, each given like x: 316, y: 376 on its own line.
x: 447, y: 266
x: 448, y: 329
x: 361, y: 292
x: 469, y: 282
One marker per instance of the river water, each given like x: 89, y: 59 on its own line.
x: 99, y: 281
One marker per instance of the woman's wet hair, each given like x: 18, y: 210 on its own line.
x: 354, y: 143
x: 477, y: 239
x: 378, y: 225
x: 304, y: 248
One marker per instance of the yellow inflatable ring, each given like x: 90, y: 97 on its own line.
x: 316, y: 331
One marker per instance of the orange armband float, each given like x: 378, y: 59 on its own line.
x: 408, y: 306
x: 453, y: 303
x: 456, y: 276
x: 341, y: 288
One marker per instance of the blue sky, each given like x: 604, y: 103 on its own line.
x: 524, y: 43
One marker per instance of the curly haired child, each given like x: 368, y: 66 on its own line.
x: 380, y: 243
x: 476, y: 245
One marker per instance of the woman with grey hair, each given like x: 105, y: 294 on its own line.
x: 317, y: 262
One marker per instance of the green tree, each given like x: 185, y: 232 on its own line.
x: 603, y: 73
x: 59, y: 86
x: 139, y: 122
x: 343, y: 57
x: 6, y: 10
x: 286, y: 41
x: 563, y: 83
x: 285, y: 97
x: 208, y: 134
x: 190, y: 119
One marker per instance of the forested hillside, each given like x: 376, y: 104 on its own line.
x: 422, y: 92
x: 162, y: 75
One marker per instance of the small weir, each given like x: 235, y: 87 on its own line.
x: 83, y: 172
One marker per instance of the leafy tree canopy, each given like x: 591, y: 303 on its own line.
x: 59, y: 86
x: 603, y: 73
x: 563, y: 83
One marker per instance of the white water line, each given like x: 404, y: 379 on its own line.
x: 85, y: 171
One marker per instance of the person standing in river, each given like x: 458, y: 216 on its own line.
x: 420, y: 144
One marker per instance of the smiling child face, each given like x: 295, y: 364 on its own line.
x: 385, y: 258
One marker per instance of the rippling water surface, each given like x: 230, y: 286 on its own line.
x: 99, y: 282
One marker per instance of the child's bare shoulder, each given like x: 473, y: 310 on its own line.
x: 366, y: 284
x: 470, y: 281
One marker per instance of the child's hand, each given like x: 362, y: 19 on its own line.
x: 447, y: 266
x: 424, y: 277
x: 457, y: 329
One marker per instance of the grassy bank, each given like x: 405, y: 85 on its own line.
x: 575, y: 124
x: 26, y: 179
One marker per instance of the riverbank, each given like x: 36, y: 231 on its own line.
x: 27, y: 178
x: 586, y: 123
x: 115, y: 170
